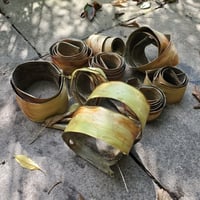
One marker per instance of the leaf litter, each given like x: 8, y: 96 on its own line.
x: 27, y: 162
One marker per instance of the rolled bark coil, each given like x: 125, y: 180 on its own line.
x: 156, y: 99
x: 84, y: 81
x: 112, y: 64
x: 136, y: 44
x: 103, y: 43
x: 28, y: 75
x: 70, y: 54
x: 109, y: 123
x: 172, y: 81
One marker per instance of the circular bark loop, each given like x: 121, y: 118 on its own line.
x: 84, y: 81
x: 70, y: 54
x: 139, y: 40
x: 172, y: 81
x: 156, y: 99
x: 103, y: 43
x: 31, y: 75
x: 112, y: 64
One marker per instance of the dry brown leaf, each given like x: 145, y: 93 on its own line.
x: 119, y: 3
x: 97, y: 5
x: 80, y: 197
x: 163, y: 195
x: 196, y: 94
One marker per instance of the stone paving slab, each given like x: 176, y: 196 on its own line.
x: 13, y: 47
x: 47, y: 21
x: 170, y: 146
x: 59, y: 163
x: 44, y: 22
x: 188, y: 9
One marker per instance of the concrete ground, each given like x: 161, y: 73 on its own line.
x: 170, y: 146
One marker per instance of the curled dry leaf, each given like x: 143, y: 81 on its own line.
x: 196, y: 94
x: 97, y: 5
x: 27, y: 163
x: 90, y: 10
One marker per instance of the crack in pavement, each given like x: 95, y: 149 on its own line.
x: 20, y: 33
x: 173, y: 195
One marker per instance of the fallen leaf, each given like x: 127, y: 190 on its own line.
x: 196, y: 94
x: 97, y: 5
x: 80, y: 197
x: 163, y: 195
x: 130, y: 24
x: 27, y: 163
x: 119, y: 3
x: 90, y: 10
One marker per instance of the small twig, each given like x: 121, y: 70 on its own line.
x: 160, y: 185
x: 53, y: 186
x: 162, y: 195
x: 120, y: 171
x: 38, y: 135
